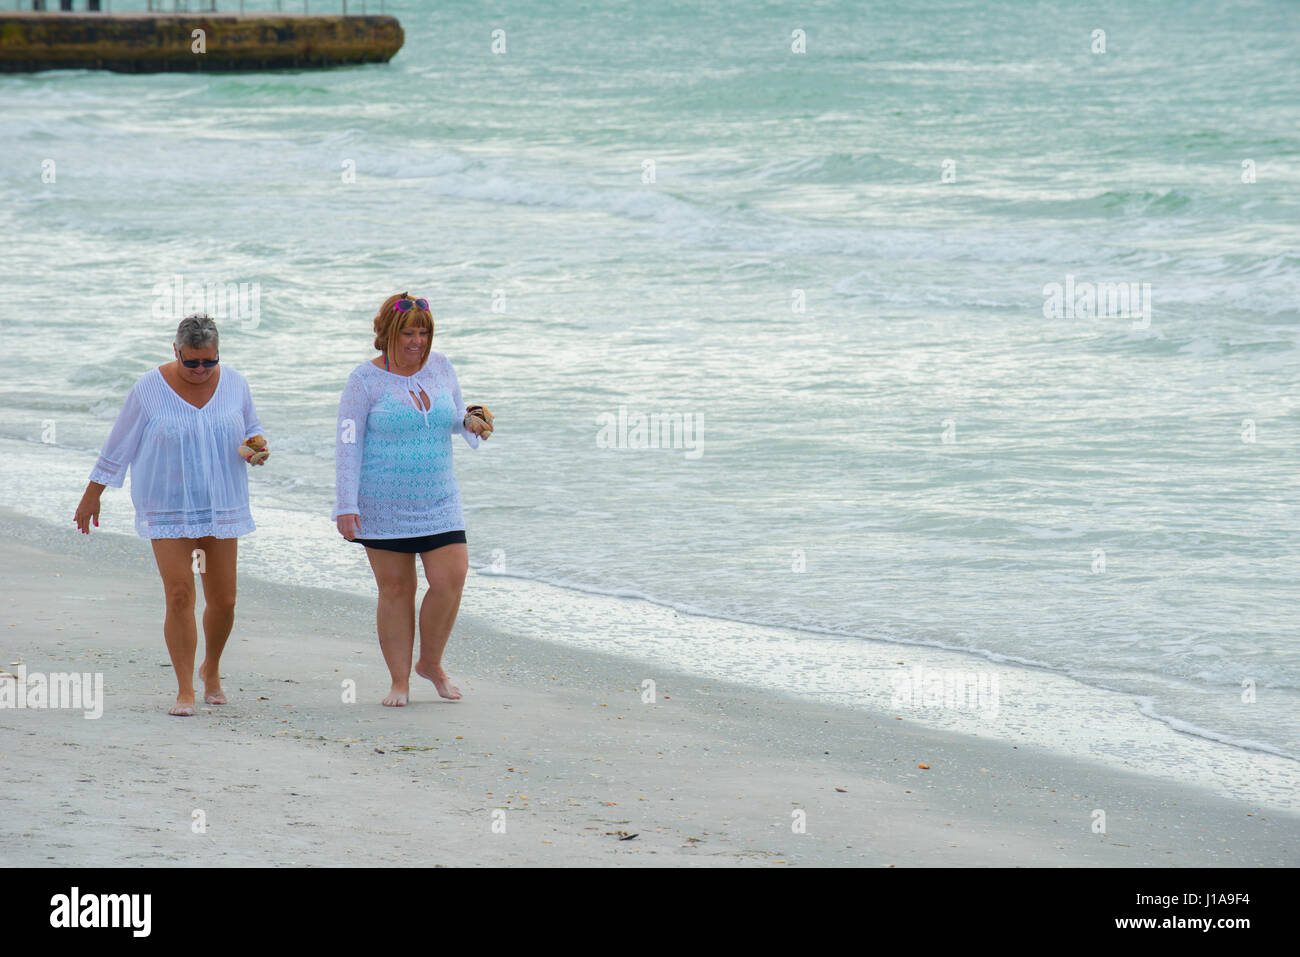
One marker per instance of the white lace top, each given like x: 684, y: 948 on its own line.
x: 392, y: 457
x: 187, y: 477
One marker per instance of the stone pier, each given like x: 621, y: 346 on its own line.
x: 164, y: 42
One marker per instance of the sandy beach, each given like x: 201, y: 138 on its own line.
x: 551, y: 758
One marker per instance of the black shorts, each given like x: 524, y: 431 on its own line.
x: 421, y: 543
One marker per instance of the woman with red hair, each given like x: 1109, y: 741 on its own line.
x: 396, y: 491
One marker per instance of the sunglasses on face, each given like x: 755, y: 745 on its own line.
x: 404, y: 305
x: 195, y: 363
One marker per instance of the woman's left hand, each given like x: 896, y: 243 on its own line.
x: 479, y: 421
x: 255, y: 450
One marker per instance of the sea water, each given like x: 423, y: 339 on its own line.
x: 965, y: 331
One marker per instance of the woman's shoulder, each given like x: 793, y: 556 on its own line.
x: 153, y: 376
x: 147, y: 385
x: 233, y: 384
x: 144, y: 388
x: 236, y: 377
x: 365, y: 376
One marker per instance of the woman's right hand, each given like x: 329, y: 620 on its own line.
x: 88, y: 508
x: 349, y: 526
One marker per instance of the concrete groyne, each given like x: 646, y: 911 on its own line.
x: 169, y: 42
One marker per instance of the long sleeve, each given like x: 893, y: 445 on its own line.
x: 458, y: 426
x: 123, y: 442
x: 252, y: 424
x: 354, y: 409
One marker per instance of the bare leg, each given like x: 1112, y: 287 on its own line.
x: 219, y: 610
x: 395, y: 617
x: 445, y: 568
x: 175, y: 565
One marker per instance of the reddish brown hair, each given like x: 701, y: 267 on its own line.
x: 389, y: 323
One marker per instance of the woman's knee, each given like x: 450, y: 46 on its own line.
x: 220, y: 604
x: 180, y: 595
x: 397, y: 589
x: 448, y: 572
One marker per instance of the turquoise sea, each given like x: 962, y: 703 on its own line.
x: 822, y: 238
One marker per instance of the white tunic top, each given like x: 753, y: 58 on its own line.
x: 393, y: 457
x: 187, y: 477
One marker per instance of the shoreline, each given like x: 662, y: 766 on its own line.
x: 1129, y: 728
x: 554, y: 742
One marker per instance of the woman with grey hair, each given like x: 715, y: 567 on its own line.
x: 185, y: 433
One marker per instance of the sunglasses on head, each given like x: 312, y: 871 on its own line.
x: 404, y: 305
x: 195, y: 363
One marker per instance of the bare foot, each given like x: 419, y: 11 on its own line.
x: 397, y: 697
x: 184, y: 706
x: 212, y: 693
x: 440, y: 681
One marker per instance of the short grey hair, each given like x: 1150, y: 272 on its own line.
x: 196, y: 331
